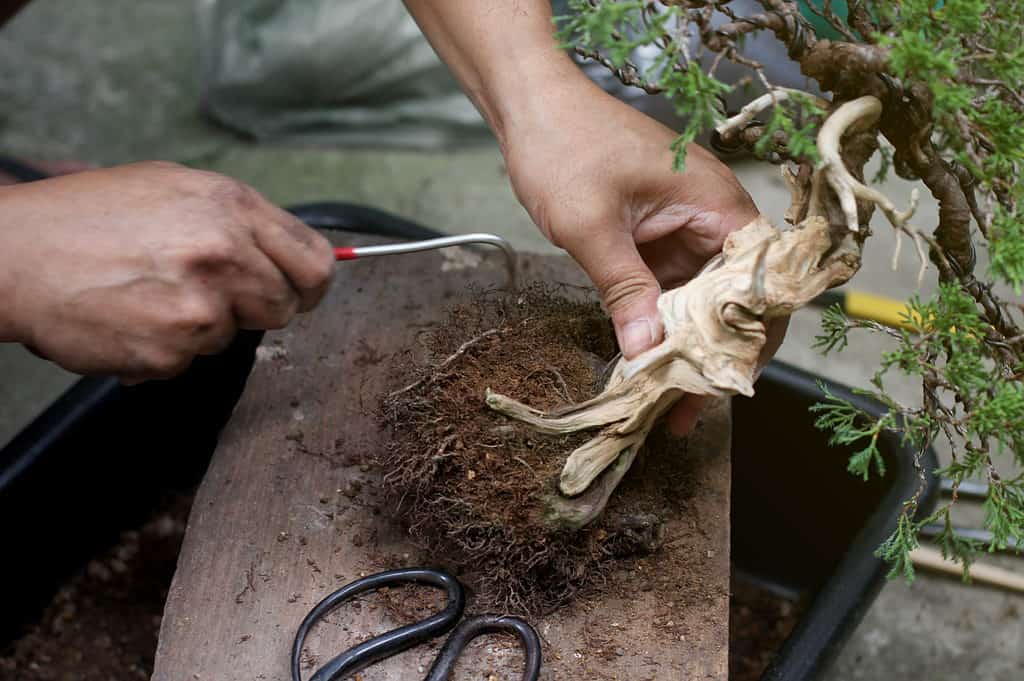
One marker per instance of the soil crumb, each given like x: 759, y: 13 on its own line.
x: 473, y: 486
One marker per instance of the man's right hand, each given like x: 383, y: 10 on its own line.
x: 133, y: 271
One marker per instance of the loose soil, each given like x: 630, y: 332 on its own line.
x: 760, y: 621
x: 474, y: 486
x: 86, y: 634
x: 104, y: 621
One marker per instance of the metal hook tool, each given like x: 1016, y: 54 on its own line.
x: 356, y: 252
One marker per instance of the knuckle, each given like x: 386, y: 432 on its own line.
x: 317, y: 263
x: 570, y: 226
x: 281, y: 309
x: 230, y: 192
x: 620, y: 289
x: 197, y: 314
x: 167, y: 364
x: 215, y: 249
x: 321, y: 269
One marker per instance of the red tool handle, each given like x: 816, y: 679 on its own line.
x: 345, y: 253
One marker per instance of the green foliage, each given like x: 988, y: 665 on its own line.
x: 969, y: 55
x: 614, y: 30
x: 932, y: 43
x: 798, y: 122
x: 1004, y: 513
x: 605, y: 26
x: 695, y: 95
x: 885, y: 166
x: 849, y: 426
x: 835, y: 330
x: 989, y: 411
x: 952, y: 545
x: 1006, y: 247
x: 896, y: 549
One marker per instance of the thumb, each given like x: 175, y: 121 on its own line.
x: 627, y: 286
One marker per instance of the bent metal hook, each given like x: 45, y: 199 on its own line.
x: 356, y: 252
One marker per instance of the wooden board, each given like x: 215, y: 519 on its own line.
x: 283, y: 516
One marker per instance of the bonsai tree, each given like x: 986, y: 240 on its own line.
x: 937, y: 90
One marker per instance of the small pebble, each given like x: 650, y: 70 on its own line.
x: 98, y: 570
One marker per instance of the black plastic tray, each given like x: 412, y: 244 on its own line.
x: 802, y: 524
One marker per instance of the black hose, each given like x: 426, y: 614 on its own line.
x: 351, y: 217
x: 20, y: 171
x: 392, y: 642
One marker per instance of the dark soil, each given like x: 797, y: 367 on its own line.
x: 760, y: 621
x: 473, y: 486
x: 104, y: 621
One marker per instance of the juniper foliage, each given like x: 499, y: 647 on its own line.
x: 950, y: 74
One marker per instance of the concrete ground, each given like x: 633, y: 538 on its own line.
x: 114, y: 81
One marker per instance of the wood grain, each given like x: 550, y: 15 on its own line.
x: 286, y: 515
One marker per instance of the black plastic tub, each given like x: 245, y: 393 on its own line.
x: 802, y: 525
x: 97, y: 462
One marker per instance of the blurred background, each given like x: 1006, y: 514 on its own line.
x: 343, y: 100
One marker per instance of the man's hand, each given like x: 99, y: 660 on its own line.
x: 595, y: 175
x: 135, y: 270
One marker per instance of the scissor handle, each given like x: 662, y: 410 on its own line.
x: 392, y: 642
x: 487, y: 624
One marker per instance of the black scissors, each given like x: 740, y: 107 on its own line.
x: 393, y: 642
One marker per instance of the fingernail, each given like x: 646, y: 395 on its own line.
x: 637, y: 336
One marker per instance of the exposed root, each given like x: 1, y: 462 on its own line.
x: 715, y: 324
x: 849, y: 117
x: 447, y: 361
x: 480, y: 493
x: 749, y: 112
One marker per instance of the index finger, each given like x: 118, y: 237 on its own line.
x: 304, y: 256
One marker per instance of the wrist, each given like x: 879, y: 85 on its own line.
x: 9, y: 327
x: 535, y: 87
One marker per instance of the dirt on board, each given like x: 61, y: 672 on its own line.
x: 475, y: 487
x: 292, y: 505
x: 86, y: 633
x: 103, y: 622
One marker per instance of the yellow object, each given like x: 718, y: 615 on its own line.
x: 929, y: 558
x: 860, y: 305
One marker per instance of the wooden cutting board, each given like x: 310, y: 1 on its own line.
x: 286, y: 513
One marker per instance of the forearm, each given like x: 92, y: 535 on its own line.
x: 503, y: 53
x: 10, y: 255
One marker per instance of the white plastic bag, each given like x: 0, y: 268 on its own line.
x: 348, y: 72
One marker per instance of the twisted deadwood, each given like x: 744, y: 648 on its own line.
x: 715, y: 325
